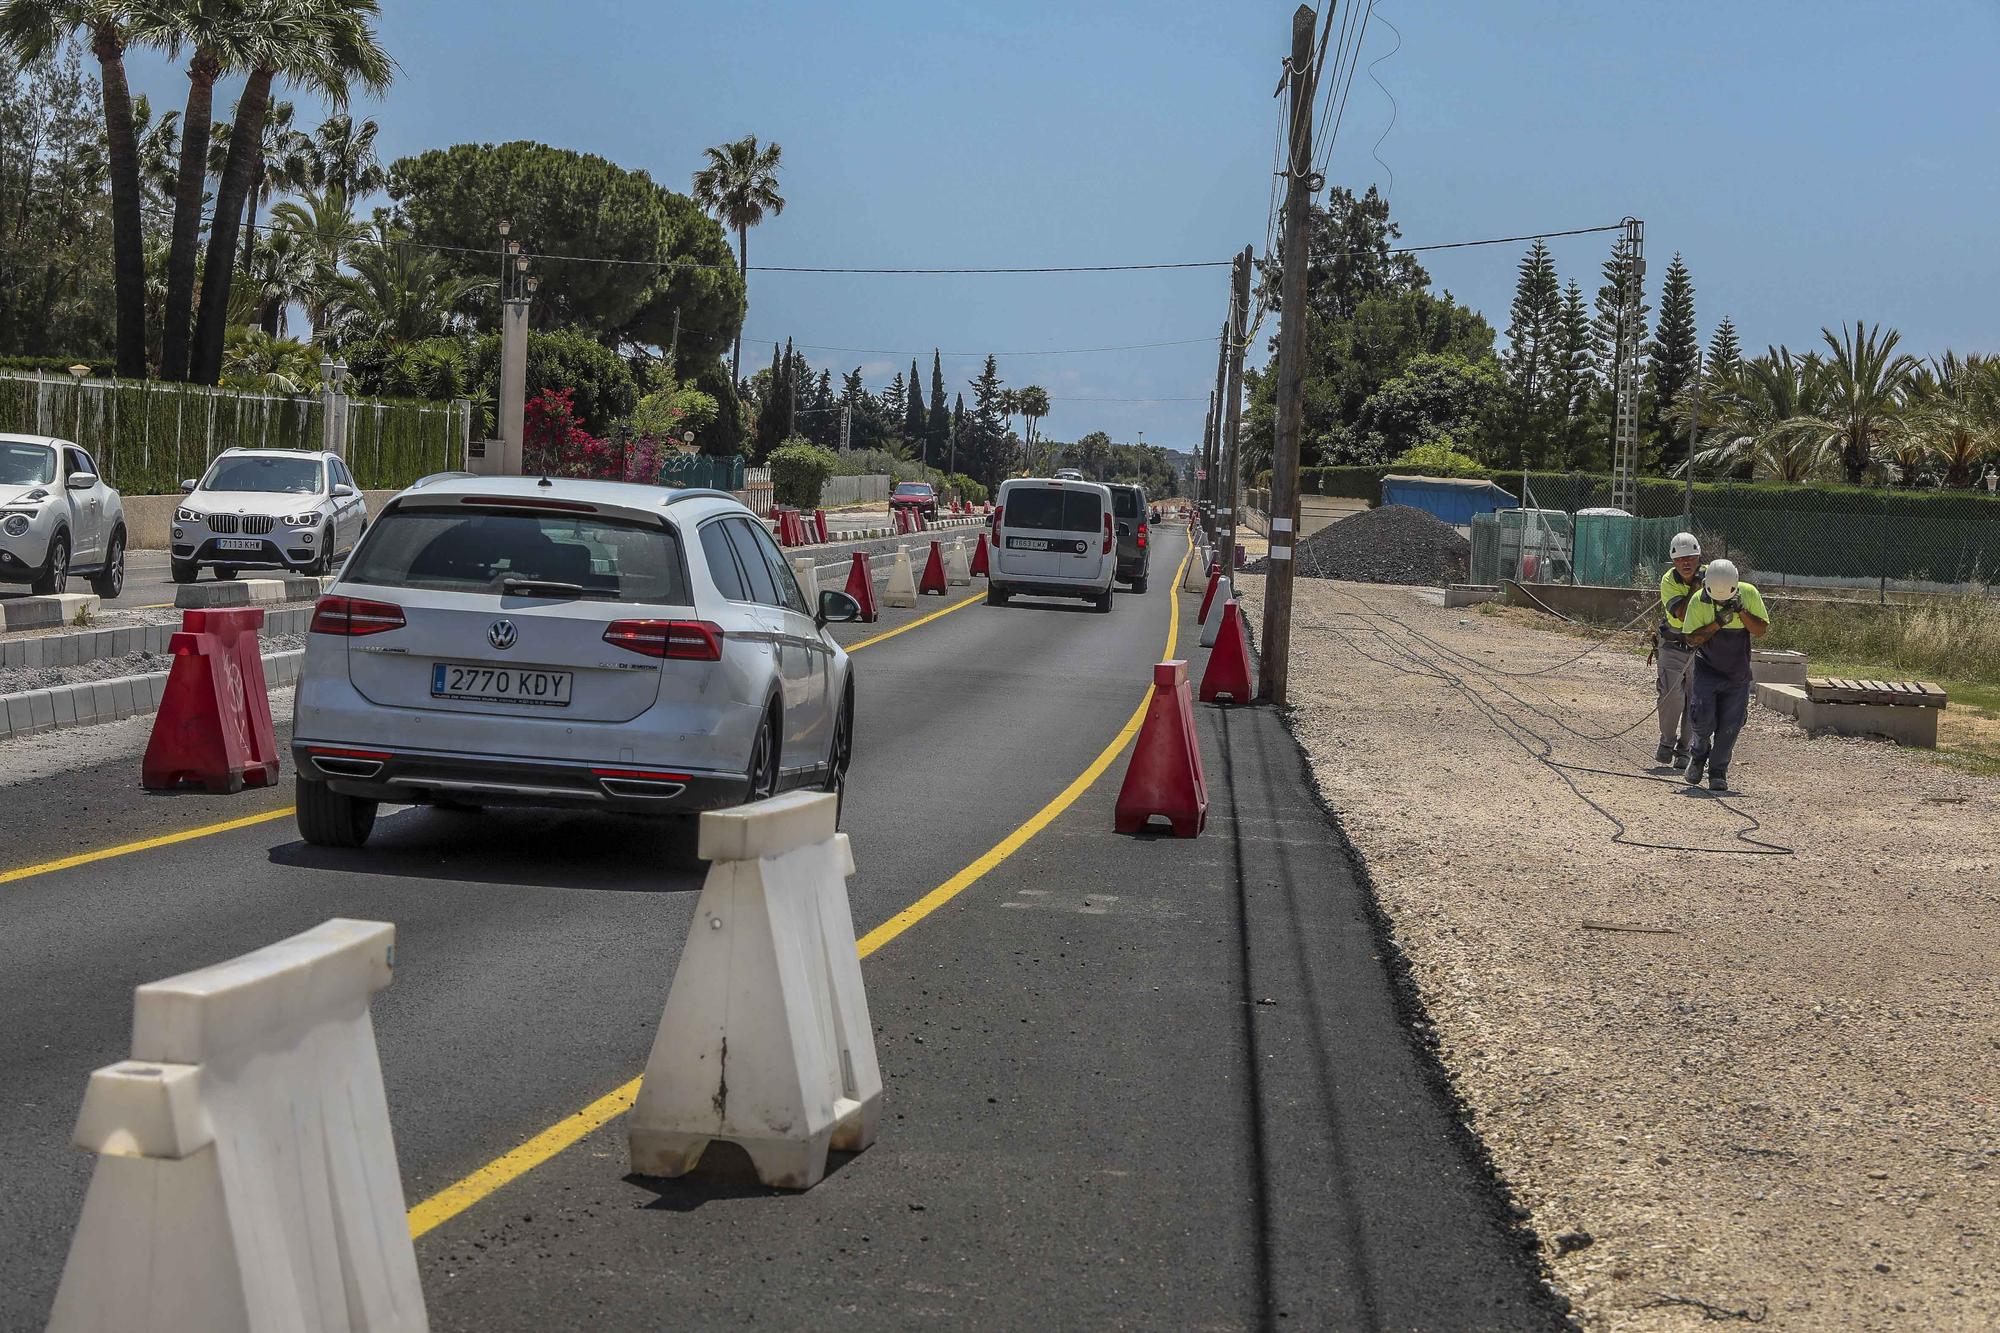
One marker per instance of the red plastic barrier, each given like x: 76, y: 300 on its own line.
x: 1165, y: 777
x: 1214, y: 577
x: 980, y: 569
x: 214, y: 724
x: 1228, y: 672
x: 861, y: 587
x: 819, y: 525
x: 933, y: 579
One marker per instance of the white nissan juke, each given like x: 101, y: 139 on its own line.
x: 581, y: 644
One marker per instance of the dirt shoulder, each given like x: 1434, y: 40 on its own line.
x: 1780, y: 1095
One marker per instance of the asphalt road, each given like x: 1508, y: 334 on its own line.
x: 147, y: 583
x: 1090, y: 1116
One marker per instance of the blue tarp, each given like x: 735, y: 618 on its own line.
x: 1451, y: 499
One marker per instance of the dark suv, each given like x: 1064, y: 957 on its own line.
x: 1128, y: 511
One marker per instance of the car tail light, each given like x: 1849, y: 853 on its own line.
x: 679, y: 640
x: 1108, y: 539
x: 351, y: 617
x: 1142, y: 536
x: 998, y: 510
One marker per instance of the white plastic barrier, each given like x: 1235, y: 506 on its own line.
x: 1225, y: 593
x: 246, y: 1177
x: 1194, y: 574
x: 957, y: 568
x: 902, y: 586
x: 807, y: 574
x: 765, y: 1041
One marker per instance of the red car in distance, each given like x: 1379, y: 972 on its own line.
x: 918, y: 495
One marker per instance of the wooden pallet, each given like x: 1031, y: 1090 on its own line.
x: 1839, y: 690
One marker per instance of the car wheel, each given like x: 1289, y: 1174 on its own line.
x: 842, y: 753
x: 225, y: 572
x: 1139, y: 584
x: 109, y: 581
x: 996, y: 596
x: 184, y: 571
x: 764, y: 760
x: 55, y: 574
x: 329, y: 819
x: 1102, y: 602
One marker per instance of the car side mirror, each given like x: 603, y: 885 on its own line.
x: 342, y: 490
x: 836, y: 607
x: 82, y: 481
x: 187, y: 486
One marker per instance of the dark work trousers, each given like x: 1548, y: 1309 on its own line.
x: 1718, y: 706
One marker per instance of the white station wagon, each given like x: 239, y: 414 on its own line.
x: 583, y: 644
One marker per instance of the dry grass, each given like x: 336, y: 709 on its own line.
x: 1955, y: 637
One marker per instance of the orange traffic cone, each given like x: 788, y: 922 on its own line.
x: 1228, y: 673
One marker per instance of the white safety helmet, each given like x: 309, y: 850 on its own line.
x: 1721, y: 579
x: 1684, y: 543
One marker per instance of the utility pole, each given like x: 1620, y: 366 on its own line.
x: 1215, y: 487
x: 846, y: 427
x: 1203, y: 463
x: 1694, y: 433
x: 1232, y: 415
x: 515, y: 289
x: 1625, y: 453
x: 1274, y: 662
x: 674, y: 346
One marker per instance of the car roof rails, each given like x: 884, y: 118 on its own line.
x: 421, y: 482
x: 697, y: 493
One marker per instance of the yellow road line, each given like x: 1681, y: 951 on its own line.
x: 924, y: 620
x: 455, y: 1198
x: 144, y: 845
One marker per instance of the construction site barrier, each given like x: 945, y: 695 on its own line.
x: 214, y: 724
x: 1228, y: 672
x: 981, y: 568
x: 246, y: 1175
x: 861, y: 587
x: 1208, y: 597
x: 902, y: 586
x: 819, y: 526
x: 765, y: 1041
x: 807, y: 573
x: 933, y: 580
x: 1221, y: 594
x: 956, y: 571
x: 1164, y: 779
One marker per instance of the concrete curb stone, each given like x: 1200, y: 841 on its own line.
x: 88, y: 702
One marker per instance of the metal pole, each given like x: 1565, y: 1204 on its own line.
x: 1215, y: 500
x: 1272, y: 665
x: 1694, y: 433
x: 1232, y: 413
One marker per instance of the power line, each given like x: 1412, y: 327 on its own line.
x: 1395, y: 107
x: 1046, y: 351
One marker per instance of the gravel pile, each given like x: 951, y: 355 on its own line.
x: 1726, y: 1087
x: 14, y: 680
x: 1392, y: 544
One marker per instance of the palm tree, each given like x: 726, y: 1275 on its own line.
x: 1953, y: 413
x: 253, y: 359
x: 1863, y: 390
x: 327, y: 229
x: 1763, y: 420
x: 31, y: 29
x: 159, y: 147
x: 400, y: 293
x: 342, y: 153
x: 283, y: 165
x: 1032, y: 402
x: 326, y: 45
x: 739, y: 185
x: 221, y: 35
x: 280, y: 270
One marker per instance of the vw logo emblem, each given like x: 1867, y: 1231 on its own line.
x: 501, y: 634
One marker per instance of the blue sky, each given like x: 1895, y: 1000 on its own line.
x: 1813, y: 162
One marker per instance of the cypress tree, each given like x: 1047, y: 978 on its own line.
x: 916, y: 422
x: 1673, y: 352
x: 1530, y: 351
x: 940, y: 423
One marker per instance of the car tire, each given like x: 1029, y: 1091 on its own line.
x: 1102, y: 602
x: 1139, y: 585
x: 54, y: 575
x: 225, y: 572
x: 841, y: 754
x: 109, y: 581
x: 996, y: 596
x: 184, y: 571
x: 762, y: 782
x: 329, y: 819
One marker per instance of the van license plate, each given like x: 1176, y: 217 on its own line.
x: 1057, y: 545
x: 237, y: 544
x: 500, y: 685
x: 1026, y: 544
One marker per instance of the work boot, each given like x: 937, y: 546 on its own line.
x: 1718, y: 781
x: 1680, y: 759
x: 1665, y: 754
x: 1694, y: 771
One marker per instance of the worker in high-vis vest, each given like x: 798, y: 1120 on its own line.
x: 1721, y: 621
x: 1671, y: 652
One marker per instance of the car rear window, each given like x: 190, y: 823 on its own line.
x: 913, y: 488
x: 1124, y: 503
x: 1045, y: 509
x: 477, y: 550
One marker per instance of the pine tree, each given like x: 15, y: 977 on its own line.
x: 1605, y: 351
x: 893, y: 398
x: 852, y: 389
x: 986, y: 391
x: 1725, y: 354
x: 940, y: 422
x: 1674, y: 352
x: 1530, y: 336
x: 1572, y: 383
x: 916, y: 422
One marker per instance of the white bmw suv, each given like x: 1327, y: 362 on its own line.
x: 283, y: 509
x: 583, y: 644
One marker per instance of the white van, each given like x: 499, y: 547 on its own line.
x: 1053, y: 538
